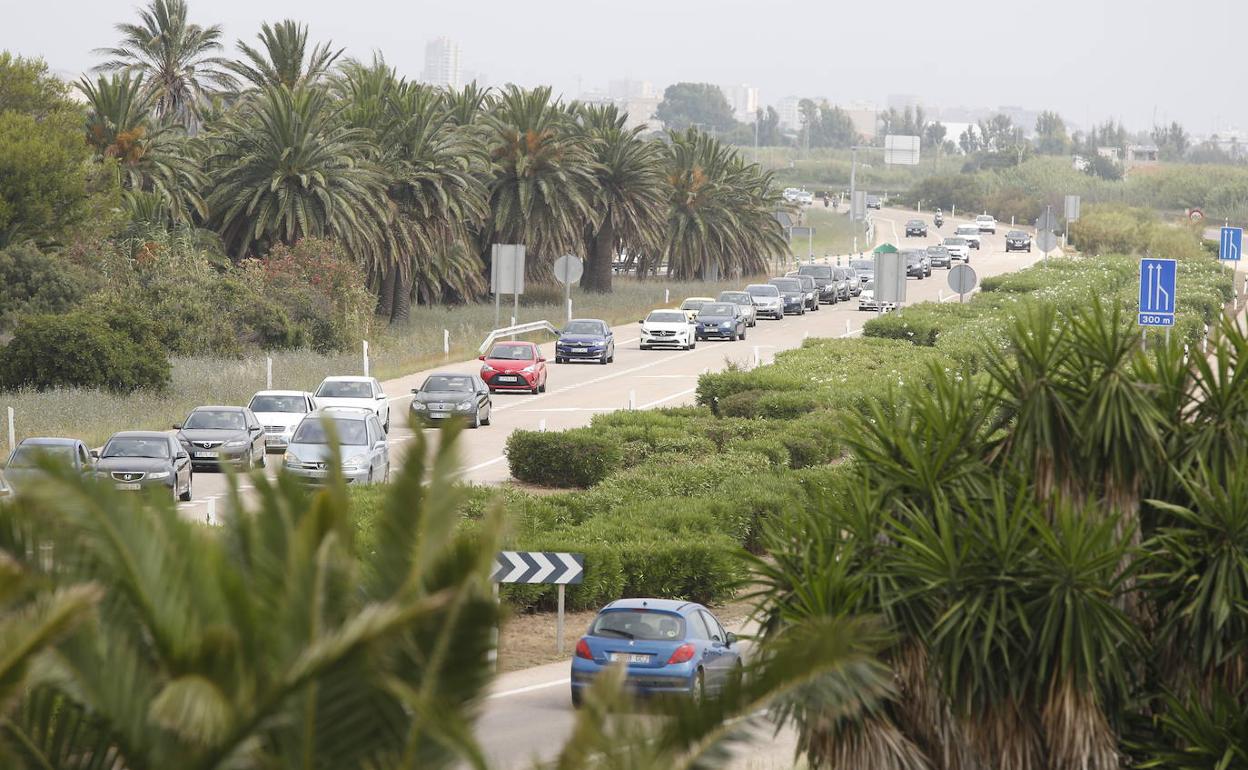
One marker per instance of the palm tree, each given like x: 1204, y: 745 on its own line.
x: 174, y: 56
x: 271, y: 641
x: 285, y: 60
x: 284, y: 166
x: 629, y: 194
x: 153, y: 156
x: 720, y: 214
x: 541, y: 193
x: 469, y: 104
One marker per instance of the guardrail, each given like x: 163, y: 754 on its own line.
x: 511, y: 331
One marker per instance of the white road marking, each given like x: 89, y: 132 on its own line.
x: 485, y: 464
x: 667, y: 376
x: 530, y: 688
x: 668, y: 398
x: 576, y: 409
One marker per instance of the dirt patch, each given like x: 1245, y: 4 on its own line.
x: 528, y: 639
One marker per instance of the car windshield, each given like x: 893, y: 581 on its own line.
x: 863, y: 264
x: 816, y: 271
x: 983, y: 218
x: 512, y: 352
x: 639, y: 624
x: 1015, y: 234
x: 583, y: 327
x: 130, y: 446
x: 966, y: 228
x: 787, y: 284
x: 288, y: 404
x: 312, y: 431
x: 30, y: 455
x: 442, y: 384
x: 937, y: 250
x: 666, y: 317
x: 718, y: 308
x: 345, y: 389
x: 955, y: 241
x: 215, y: 419
x: 915, y: 223
x: 692, y: 304
x: 762, y: 291
x: 736, y: 297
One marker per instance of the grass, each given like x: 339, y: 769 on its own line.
x: 93, y: 415
x: 834, y: 233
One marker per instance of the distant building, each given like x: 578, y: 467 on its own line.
x: 744, y: 101
x: 474, y: 76
x: 1021, y: 117
x: 900, y: 102
x: 442, y: 63
x: 630, y: 89
x: 790, y: 115
x: 1110, y: 153
x: 641, y: 111
x: 1142, y: 155
x: 865, y: 117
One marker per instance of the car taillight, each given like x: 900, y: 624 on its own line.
x: 683, y: 654
x: 582, y: 650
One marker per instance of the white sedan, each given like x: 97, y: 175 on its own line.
x: 358, y: 392
x: 280, y: 411
x: 667, y: 329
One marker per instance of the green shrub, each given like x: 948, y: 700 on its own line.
x: 32, y: 282
x: 118, y: 353
x: 571, y: 458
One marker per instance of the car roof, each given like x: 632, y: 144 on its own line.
x: 139, y: 434
x: 437, y: 374
x: 661, y: 605
x: 281, y: 393
x: 221, y: 408
x: 347, y: 378
x: 985, y: 216
x: 349, y: 411
x: 699, y: 299
x: 1016, y: 232
x: 514, y: 342
x: 48, y: 441
x: 588, y: 320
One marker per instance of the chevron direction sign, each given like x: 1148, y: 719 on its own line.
x: 538, y: 567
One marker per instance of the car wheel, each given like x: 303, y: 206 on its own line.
x: 264, y: 458
x: 249, y: 461
x: 644, y: 347
x: 697, y: 693
x: 732, y: 337
x: 488, y: 416
x: 476, y: 419
x: 369, y: 480
x: 558, y: 360
x: 576, y: 698
x: 535, y: 389
x: 186, y: 496
x: 743, y: 335
x: 693, y: 344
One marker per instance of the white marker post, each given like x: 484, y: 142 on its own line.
x: 667, y: 296
x: 632, y: 400
x: 541, y: 426
x: 569, y: 315
x: 757, y: 357
x: 12, y: 432
x: 848, y: 328
x: 211, y: 512
x: 268, y: 373
x: 365, y: 349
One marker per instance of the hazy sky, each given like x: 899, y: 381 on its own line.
x: 1089, y: 59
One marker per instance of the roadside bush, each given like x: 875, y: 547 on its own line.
x: 571, y: 458
x: 117, y: 353
x: 32, y: 282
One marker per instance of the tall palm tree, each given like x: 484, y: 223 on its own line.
x: 285, y: 59
x: 284, y: 166
x: 469, y: 104
x: 541, y: 193
x: 720, y: 212
x: 175, y: 57
x: 629, y: 194
x: 153, y: 156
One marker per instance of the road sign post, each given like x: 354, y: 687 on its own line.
x: 541, y: 568
x: 568, y: 269
x: 12, y: 431
x: 962, y: 279
x: 1157, y: 292
x: 507, y: 276
x: 1071, y: 206
x: 1231, y: 244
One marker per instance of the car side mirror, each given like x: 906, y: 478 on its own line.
x: 177, y: 426
x: 183, y: 455
x: 541, y: 360
x: 95, y: 454
x: 256, y: 429
x: 480, y: 358
x: 641, y: 320
x: 415, y: 391
x: 381, y: 396
x: 380, y: 444
x: 731, y: 639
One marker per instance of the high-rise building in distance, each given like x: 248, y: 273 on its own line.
x: 442, y: 63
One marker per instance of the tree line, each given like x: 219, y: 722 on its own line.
x: 291, y: 140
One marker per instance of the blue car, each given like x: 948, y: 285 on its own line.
x: 670, y: 648
x: 587, y: 339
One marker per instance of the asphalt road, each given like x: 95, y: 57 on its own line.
x: 528, y: 715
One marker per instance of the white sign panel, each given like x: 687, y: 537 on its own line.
x: 507, y: 268
x: 901, y: 150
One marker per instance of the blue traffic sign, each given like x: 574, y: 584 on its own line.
x: 1157, y: 287
x: 1231, y: 244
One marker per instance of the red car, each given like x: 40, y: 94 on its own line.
x: 514, y: 366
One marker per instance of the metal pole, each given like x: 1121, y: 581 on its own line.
x: 853, y: 175
x: 365, y: 348
x: 810, y: 243
x: 12, y: 432
x: 559, y: 623
x: 757, y: 361
x: 541, y: 426
x: 569, y: 308
x: 498, y: 309
x: 515, y: 309
x: 268, y: 373
x: 567, y: 287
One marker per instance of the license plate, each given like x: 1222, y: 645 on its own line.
x: 624, y: 657
x: 580, y: 350
x: 508, y: 379
x: 272, y: 439
x: 128, y: 486
x: 437, y: 414
x: 208, y: 455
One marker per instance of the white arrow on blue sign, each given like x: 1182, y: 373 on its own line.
x: 1231, y: 244
x: 1157, y: 289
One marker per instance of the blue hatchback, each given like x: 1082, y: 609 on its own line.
x: 588, y: 339
x: 669, y: 647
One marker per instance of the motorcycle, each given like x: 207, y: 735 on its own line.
x: 938, y: 221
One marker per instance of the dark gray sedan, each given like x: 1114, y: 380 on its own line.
x: 447, y: 395
x: 25, y: 464
x: 135, y: 460
x: 721, y: 319
x: 214, y: 435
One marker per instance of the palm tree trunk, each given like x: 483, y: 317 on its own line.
x: 597, y: 276
x: 385, y: 292
x: 403, y: 297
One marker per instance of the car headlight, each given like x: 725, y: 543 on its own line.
x: 465, y: 406
x: 530, y: 368
x: 235, y: 444
x: 290, y: 459
x: 359, y: 462
x: 644, y: 330
x: 158, y: 475
x: 418, y: 406
x: 726, y: 324
x: 486, y: 368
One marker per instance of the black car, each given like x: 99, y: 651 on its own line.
x: 874, y: 202
x: 825, y: 279
x: 587, y: 339
x: 26, y: 464
x: 1017, y: 240
x: 917, y: 228
x: 809, y: 287
x: 136, y: 460
x: 917, y: 264
x: 220, y: 435
x: 939, y: 256
x: 791, y: 292
x: 445, y: 396
x: 723, y: 320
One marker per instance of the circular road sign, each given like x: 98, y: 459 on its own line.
x: 962, y: 279
x: 1195, y: 215
x: 1046, y: 240
x: 568, y: 269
